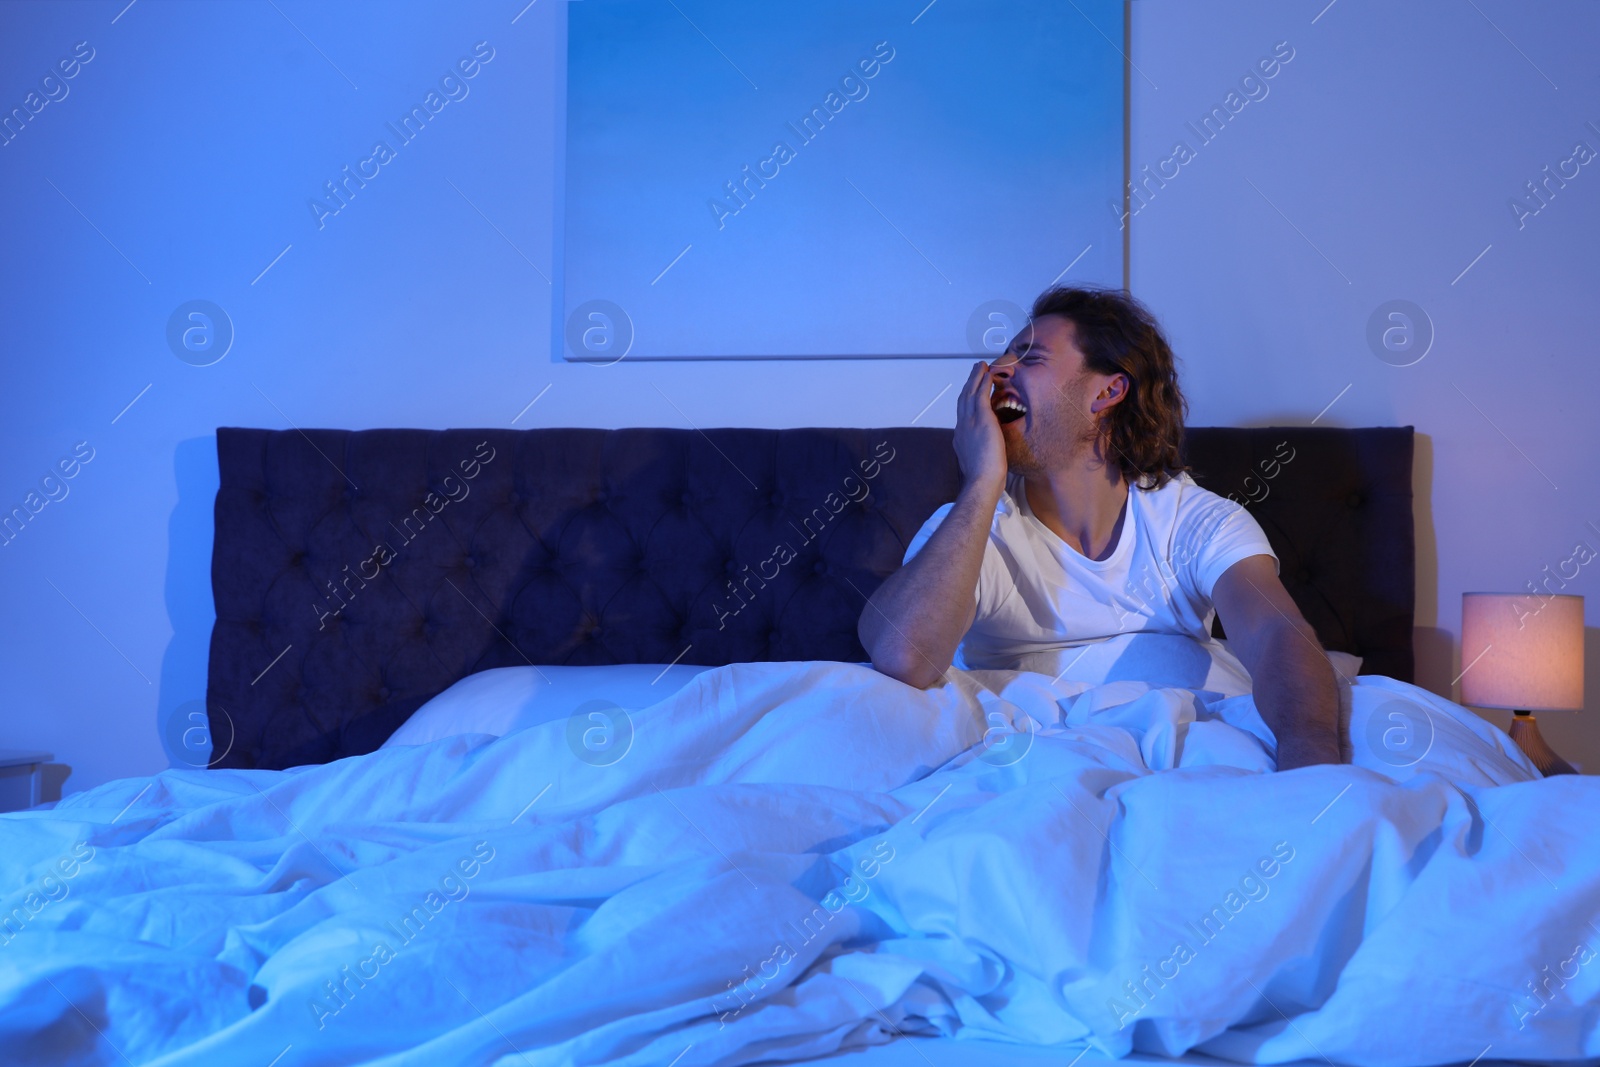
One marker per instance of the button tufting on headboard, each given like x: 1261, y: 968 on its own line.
x: 340, y: 610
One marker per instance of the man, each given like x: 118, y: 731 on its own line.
x: 1072, y: 492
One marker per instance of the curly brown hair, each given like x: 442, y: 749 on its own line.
x: 1119, y: 335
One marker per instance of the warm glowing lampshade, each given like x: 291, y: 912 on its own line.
x: 1522, y: 651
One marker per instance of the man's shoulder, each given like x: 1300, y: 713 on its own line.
x: 1183, y: 494
x: 1188, y: 512
x: 1176, y: 493
x: 1007, y: 509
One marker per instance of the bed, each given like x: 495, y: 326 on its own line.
x: 588, y: 547
x: 786, y: 856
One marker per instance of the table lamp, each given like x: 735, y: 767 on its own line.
x: 1524, y: 652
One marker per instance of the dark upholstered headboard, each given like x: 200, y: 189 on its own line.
x: 359, y: 573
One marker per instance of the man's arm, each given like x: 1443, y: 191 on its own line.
x: 1295, y: 689
x: 917, y: 617
x: 914, y: 621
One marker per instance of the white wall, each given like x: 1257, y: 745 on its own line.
x: 1378, y: 166
x: 192, y: 142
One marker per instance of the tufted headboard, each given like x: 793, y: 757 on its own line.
x: 356, y: 574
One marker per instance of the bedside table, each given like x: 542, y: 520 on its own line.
x: 21, y: 778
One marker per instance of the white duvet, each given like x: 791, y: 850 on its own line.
x: 781, y: 860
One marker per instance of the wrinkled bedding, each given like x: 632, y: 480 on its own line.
x: 781, y: 860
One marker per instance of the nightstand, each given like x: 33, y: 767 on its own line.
x: 21, y: 778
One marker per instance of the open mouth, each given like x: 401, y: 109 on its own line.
x: 1009, y: 409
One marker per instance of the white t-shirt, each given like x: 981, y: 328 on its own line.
x: 1144, y: 612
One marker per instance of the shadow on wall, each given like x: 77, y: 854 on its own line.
x: 1432, y: 649
x: 1435, y: 651
x: 180, y: 710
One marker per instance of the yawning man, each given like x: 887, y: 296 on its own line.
x: 1077, y: 524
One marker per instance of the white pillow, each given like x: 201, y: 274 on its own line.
x: 1345, y: 665
x: 505, y: 699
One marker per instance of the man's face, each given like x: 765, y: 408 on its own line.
x: 1042, y: 372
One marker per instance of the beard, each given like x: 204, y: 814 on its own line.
x: 1057, y: 436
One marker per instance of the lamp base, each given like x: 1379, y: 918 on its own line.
x: 1525, y: 732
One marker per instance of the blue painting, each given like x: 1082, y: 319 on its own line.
x: 872, y: 179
